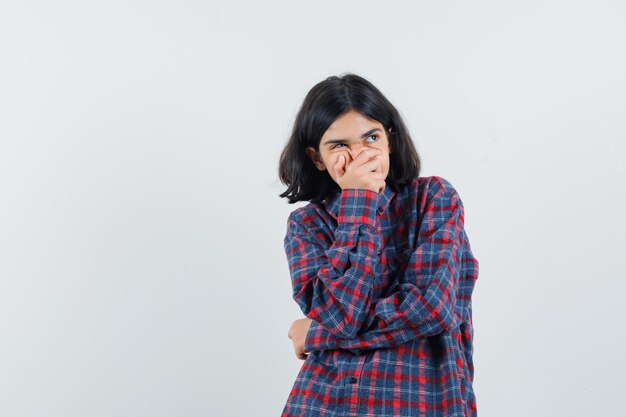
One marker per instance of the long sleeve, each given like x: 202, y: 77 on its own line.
x: 333, y: 286
x: 422, y: 302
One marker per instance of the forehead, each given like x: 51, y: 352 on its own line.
x: 352, y: 121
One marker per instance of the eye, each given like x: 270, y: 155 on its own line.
x: 343, y: 144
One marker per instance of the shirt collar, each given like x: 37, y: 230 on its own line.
x: 333, y: 202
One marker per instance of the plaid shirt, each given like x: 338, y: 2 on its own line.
x: 387, y: 280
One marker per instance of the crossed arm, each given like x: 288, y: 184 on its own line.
x: 333, y: 286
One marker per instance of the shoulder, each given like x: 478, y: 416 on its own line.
x: 438, y: 186
x: 432, y: 197
x: 305, y: 218
x: 431, y: 188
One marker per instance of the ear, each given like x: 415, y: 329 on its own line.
x: 389, y: 139
x: 315, y: 157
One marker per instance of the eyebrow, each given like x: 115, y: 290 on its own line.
x: 364, y: 135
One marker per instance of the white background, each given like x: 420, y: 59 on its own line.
x: 142, y: 269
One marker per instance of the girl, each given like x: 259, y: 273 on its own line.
x: 380, y: 265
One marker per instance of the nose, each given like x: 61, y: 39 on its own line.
x: 356, y: 151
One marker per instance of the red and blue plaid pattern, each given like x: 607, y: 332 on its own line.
x: 387, y: 280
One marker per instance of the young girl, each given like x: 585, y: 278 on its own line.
x: 380, y: 265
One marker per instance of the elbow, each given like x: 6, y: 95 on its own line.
x: 447, y: 319
x: 349, y: 331
x: 353, y: 323
x: 348, y: 328
x: 342, y: 321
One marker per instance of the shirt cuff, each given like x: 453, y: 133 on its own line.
x: 318, y: 338
x: 358, y: 205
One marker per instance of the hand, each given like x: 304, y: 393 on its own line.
x: 297, y: 334
x: 363, y: 172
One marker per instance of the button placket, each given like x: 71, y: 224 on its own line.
x: 355, y: 370
x: 378, y: 227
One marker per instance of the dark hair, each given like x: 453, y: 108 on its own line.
x: 325, y: 102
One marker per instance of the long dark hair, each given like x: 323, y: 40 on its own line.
x: 325, y: 102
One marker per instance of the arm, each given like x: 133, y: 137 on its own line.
x: 422, y: 302
x: 333, y: 286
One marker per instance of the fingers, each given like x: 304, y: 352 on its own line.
x: 364, y: 171
x: 340, y: 165
x: 379, y: 167
x: 367, y: 161
x: 302, y: 354
x: 373, y: 165
x: 366, y: 155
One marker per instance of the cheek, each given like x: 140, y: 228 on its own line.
x: 335, y: 157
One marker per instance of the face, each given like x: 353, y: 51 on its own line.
x: 349, y: 135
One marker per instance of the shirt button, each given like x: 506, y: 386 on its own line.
x: 379, y: 210
x: 353, y: 379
